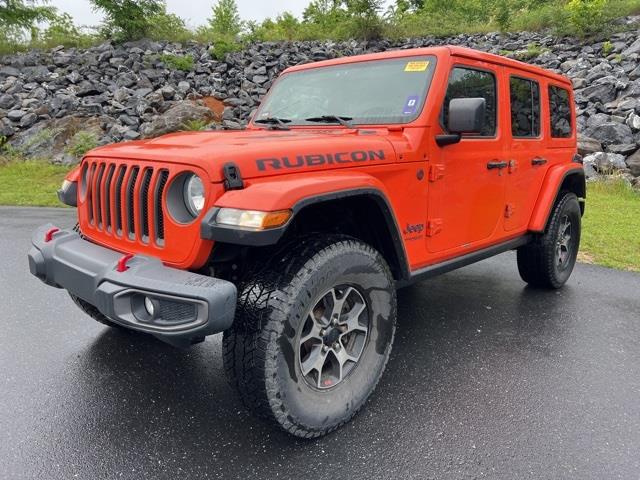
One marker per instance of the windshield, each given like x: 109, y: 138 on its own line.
x: 372, y: 92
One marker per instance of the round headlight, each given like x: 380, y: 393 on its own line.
x: 194, y: 195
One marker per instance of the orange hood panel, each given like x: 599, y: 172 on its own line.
x: 260, y: 153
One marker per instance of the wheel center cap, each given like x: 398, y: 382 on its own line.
x: 331, y: 336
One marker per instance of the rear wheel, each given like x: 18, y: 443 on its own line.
x: 549, y: 259
x: 312, y: 335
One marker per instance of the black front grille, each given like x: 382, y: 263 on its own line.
x: 144, y: 203
x: 157, y: 196
x: 131, y: 187
x: 116, y: 191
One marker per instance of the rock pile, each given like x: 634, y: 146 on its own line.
x: 132, y: 91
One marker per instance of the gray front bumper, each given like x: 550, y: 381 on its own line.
x: 189, y: 305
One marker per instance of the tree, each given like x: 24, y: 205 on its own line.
x: 23, y: 14
x: 17, y: 17
x: 318, y: 11
x: 129, y: 19
x: 365, y: 15
x: 226, y: 19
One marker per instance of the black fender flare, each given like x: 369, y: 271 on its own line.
x: 210, y: 230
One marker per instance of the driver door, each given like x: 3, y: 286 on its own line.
x: 466, y: 198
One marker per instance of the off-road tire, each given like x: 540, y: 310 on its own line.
x: 94, y: 313
x: 261, y: 351
x: 538, y: 261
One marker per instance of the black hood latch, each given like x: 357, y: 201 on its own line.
x: 232, y: 177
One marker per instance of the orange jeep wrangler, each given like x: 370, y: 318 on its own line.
x: 355, y: 176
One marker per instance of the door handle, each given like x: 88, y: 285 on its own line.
x: 499, y: 164
x: 538, y: 161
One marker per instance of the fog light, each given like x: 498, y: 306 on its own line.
x: 149, y: 306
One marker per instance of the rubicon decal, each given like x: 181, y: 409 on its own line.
x: 317, y: 160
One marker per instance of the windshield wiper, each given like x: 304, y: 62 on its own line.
x: 344, y: 121
x: 275, y: 123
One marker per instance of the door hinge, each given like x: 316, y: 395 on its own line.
x: 436, y: 172
x: 232, y: 177
x: 434, y: 227
x: 508, y: 210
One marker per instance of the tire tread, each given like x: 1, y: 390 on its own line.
x: 264, y: 299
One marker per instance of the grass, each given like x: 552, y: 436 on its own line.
x: 31, y: 183
x: 611, y: 226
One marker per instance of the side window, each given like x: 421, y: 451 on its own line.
x: 470, y: 83
x: 560, y: 112
x: 525, y: 107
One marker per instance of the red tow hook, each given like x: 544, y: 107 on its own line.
x: 122, y: 263
x: 49, y: 235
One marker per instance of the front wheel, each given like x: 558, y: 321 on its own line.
x: 313, y: 334
x: 549, y: 259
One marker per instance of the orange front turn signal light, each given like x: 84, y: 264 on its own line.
x: 252, y: 219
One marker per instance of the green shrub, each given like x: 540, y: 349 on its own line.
x: 222, y: 46
x: 169, y: 27
x: 586, y: 16
x: 194, y: 125
x: 178, y: 62
x: 607, y: 48
x: 81, y: 143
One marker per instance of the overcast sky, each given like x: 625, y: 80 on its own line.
x: 195, y: 12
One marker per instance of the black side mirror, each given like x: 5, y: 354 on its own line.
x: 466, y: 115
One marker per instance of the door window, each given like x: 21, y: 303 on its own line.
x: 525, y: 108
x: 560, y: 109
x: 470, y: 83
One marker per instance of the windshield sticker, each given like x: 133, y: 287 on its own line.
x: 417, y: 66
x: 411, y: 105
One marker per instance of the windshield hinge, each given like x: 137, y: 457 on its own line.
x: 232, y: 177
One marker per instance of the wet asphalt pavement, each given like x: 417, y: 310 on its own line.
x: 487, y: 379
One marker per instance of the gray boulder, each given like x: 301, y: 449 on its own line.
x: 6, y: 129
x: 602, y: 93
x: 7, y: 101
x: 633, y: 122
x: 633, y: 163
x: 28, y: 120
x: 634, y: 48
x: 624, y: 149
x: 9, y: 72
x: 588, y: 145
x: 605, y: 163
x: 175, y: 118
x: 16, y: 115
x: 611, y: 133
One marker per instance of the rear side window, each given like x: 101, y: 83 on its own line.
x: 470, y: 83
x: 525, y: 108
x: 560, y: 109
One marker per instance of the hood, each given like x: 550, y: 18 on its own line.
x: 259, y: 153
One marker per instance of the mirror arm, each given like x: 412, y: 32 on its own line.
x: 448, y: 139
